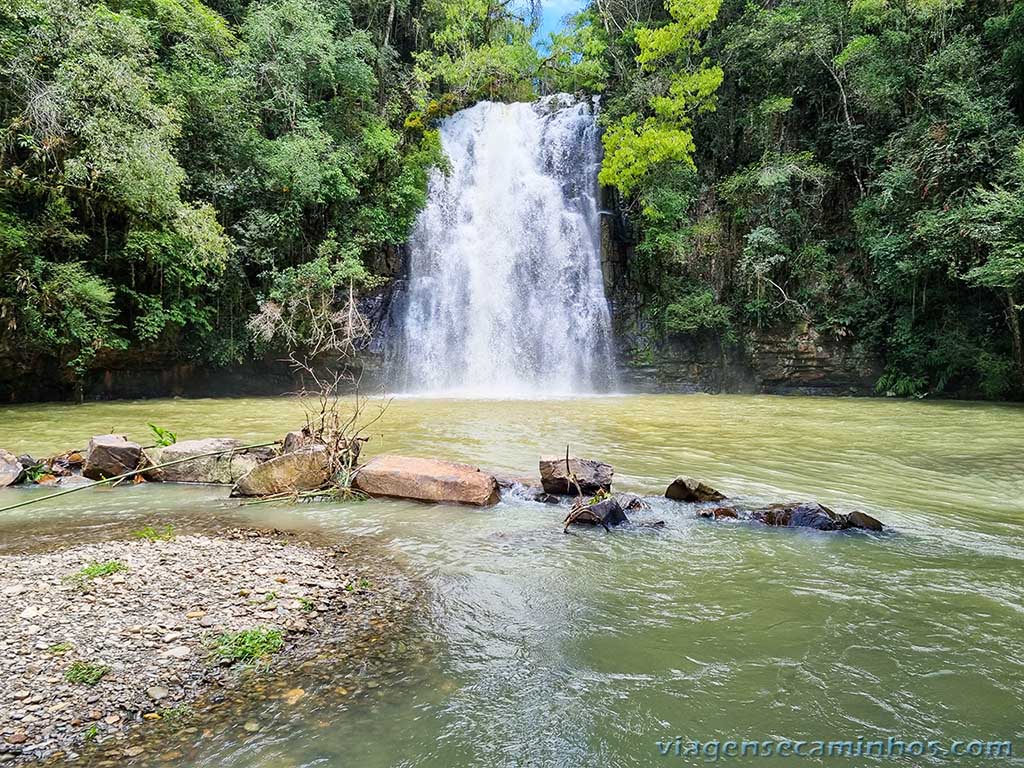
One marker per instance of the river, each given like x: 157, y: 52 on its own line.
x: 586, y: 649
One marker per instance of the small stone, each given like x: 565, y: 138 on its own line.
x: 195, y: 614
x: 31, y: 612
x: 293, y: 695
x: 251, y: 726
x: 207, y: 621
x: 17, y: 738
x: 133, y: 751
x: 157, y: 692
x: 178, y: 652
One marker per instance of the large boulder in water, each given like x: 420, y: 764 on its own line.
x: 11, y: 469
x: 407, y: 477
x: 307, y: 469
x: 225, y: 468
x: 110, y: 456
x: 591, y: 475
x: 688, y: 489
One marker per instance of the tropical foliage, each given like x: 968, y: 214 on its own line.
x: 207, y: 179
x: 852, y: 164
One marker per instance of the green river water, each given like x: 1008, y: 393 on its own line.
x: 587, y: 649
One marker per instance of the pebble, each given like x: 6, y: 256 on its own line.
x: 150, y: 632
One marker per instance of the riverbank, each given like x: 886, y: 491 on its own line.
x: 98, y: 638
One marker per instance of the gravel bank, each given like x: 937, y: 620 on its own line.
x: 145, y: 617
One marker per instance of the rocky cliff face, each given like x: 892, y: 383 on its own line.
x: 796, y: 360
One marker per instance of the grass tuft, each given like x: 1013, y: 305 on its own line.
x: 177, y: 717
x: 149, y: 533
x: 248, y: 644
x: 95, y: 570
x: 85, y: 673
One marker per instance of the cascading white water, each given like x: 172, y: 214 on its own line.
x: 505, y: 294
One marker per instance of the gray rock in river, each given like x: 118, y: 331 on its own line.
x: 690, y: 490
x: 11, y: 470
x: 225, y: 468
x: 591, y: 475
x: 110, y: 456
x: 307, y: 469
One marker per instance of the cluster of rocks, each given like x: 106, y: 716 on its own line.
x: 300, y: 463
x: 148, y: 629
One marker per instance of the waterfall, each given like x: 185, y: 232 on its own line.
x: 505, y: 295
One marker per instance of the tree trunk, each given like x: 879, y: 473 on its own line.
x: 1013, y: 318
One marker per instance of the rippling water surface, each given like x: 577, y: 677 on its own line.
x: 586, y: 649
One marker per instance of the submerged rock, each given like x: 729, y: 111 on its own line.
x: 432, y: 480
x: 509, y: 480
x: 813, y: 515
x: 799, y: 515
x: 225, y: 468
x: 11, y: 470
x: 718, y: 513
x: 630, y: 501
x: 110, y: 456
x: 591, y: 475
x: 307, y: 469
x: 547, y: 498
x: 690, y: 490
x: 863, y: 520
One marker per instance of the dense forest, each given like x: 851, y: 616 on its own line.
x: 210, y: 178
